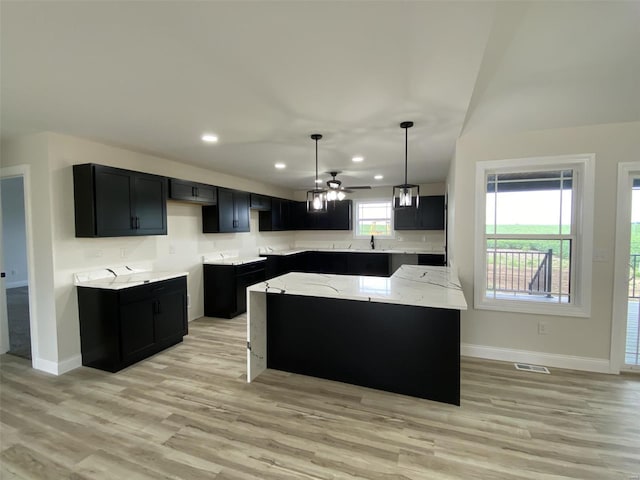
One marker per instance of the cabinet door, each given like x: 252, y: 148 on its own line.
x: 114, y: 202
x: 206, y: 194
x: 179, y: 190
x: 431, y: 212
x: 376, y: 264
x: 241, y: 211
x: 244, y: 281
x: 301, y: 219
x: 260, y: 202
x: 226, y: 212
x: 150, y: 197
x: 170, y: 315
x: 405, y: 218
x: 136, y: 329
x: 340, y: 215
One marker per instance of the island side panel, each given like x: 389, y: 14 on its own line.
x: 397, y: 348
x: 256, y: 333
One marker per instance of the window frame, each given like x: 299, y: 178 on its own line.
x: 582, y: 250
x: 356, y: 218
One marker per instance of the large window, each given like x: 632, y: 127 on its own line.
x: 535, y: 235
x: 374, y: 217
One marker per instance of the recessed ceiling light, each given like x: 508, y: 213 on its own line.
x: 378, y: 177
x: 357, y: 159
x: 209, y: 138
x: 280, y: 166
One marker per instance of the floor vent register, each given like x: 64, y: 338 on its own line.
x: 531, y: 368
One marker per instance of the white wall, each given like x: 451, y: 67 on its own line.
x: 585, y: 338
x: 14, y: 236
x: 32, y: 151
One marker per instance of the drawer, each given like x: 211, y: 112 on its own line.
x: 153, y: 289
x: 249, y: 268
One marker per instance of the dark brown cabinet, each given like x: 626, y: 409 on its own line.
x: 278, y: 218
x: 121, y: 327
x: 431, y: 259
x: 260, y: 202
x: 113, y: 202
x: 428, y: 216
x: 192, y: 192
x: 225, y: 287
x: 230, y: 215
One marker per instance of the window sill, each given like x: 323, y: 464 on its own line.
x: 533, y: 308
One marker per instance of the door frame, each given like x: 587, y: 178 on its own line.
x: 24, y: 171
x: 626, y: 171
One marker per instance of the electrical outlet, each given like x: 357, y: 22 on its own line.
x: 543, y: 328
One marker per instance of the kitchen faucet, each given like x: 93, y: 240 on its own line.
x: 373, y: 244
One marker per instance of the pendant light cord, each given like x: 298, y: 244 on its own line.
x: 316, y: 183
x: 406, y: 152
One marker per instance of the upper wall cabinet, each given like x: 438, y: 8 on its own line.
x: 112, y: 202
x: 278, y: 218
x: 260, y: 202
x: 429, y: 215
x: 230, y: 215
x: 192, y: 192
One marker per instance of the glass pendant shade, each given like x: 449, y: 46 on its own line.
x: 406, y: 195
x: 341, y: 196
x: 317, y: 201
x: 332, y: 195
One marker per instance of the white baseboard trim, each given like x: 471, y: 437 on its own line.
x: 19, y: 283
x: 589, y: 364
x: 57, y: 368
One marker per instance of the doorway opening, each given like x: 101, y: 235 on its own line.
x: 632, y: 333
x: 15, y: 266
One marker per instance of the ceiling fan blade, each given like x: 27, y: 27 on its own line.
x: 361, y: 187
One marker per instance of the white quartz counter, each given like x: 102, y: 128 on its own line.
x: 423, y: 286
x: 233, y: 260
x: 294, y: 251
x: 118, y: 278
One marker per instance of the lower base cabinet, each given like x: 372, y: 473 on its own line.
x: 121, y: 327
x: 225, y: 287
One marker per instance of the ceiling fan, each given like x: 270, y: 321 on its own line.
x: 336, y: 185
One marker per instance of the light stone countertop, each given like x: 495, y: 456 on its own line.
x: 232, y: 260
x: 118, y: 278
x: 294, y: 251
x: 423, y: 286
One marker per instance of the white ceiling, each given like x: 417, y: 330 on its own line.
x: 154, y: 76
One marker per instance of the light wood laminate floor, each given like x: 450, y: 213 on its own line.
x: 188, y: 413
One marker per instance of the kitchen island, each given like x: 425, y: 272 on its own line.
x: 399, y: 334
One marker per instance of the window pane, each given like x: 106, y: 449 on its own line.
x: 526, y: 203
x: 374, y: 218
x: 529, y: 269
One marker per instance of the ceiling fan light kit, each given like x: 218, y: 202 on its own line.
x: 316, y: 197
x: 406, y: 195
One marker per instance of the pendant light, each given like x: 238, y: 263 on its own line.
x: 406, y: 195
x: 317, y: 197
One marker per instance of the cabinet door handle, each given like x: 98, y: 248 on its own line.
x: 158, y: 306
x: 193, y: 192
x: 138, y: 222
x: 133, y: 223
x: 197, y: 192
